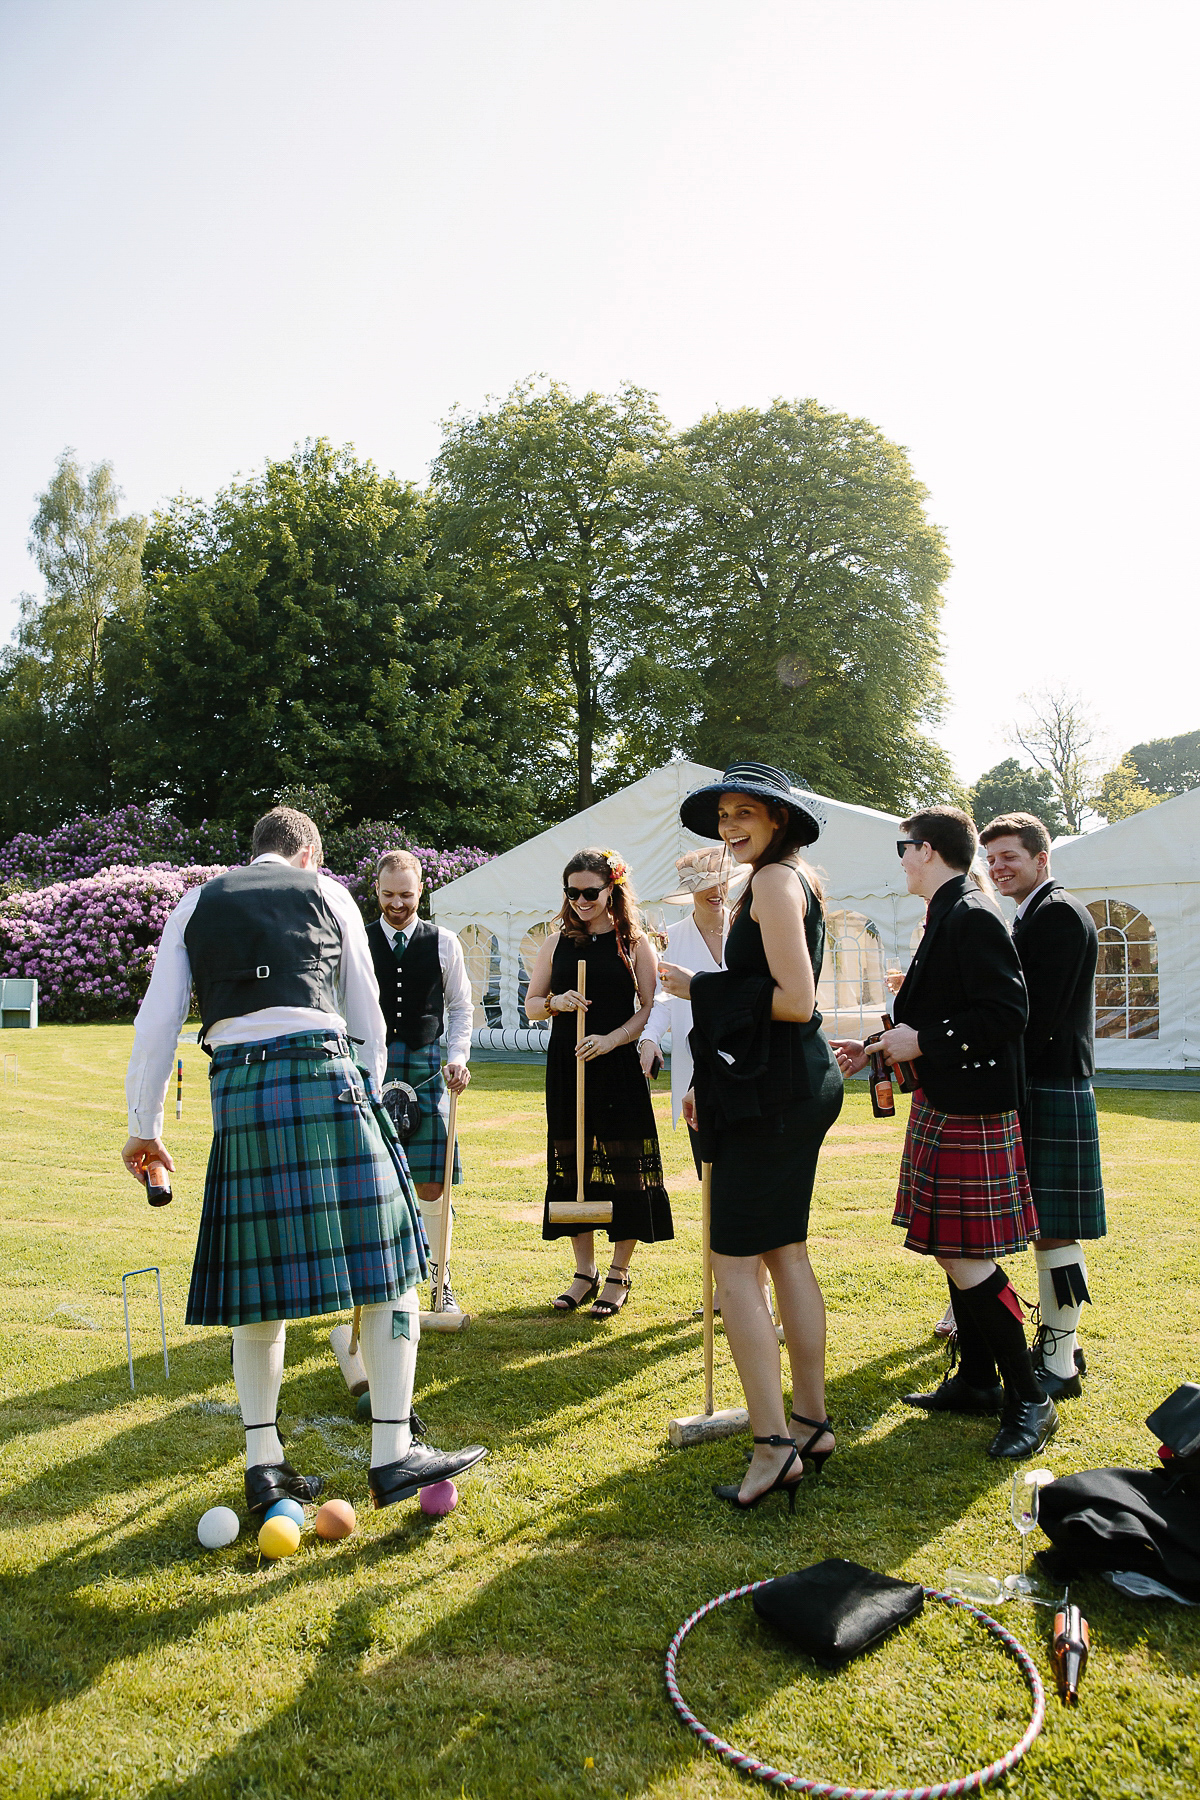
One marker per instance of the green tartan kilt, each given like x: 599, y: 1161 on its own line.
x: 308, y: 1206
x: 1062, y: 1154
x: 426, y: 1148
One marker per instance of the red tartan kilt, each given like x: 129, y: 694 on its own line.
x: 963, y: 1188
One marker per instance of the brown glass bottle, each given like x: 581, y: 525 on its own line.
x: 158, y: 1184
x: 883, y: 1100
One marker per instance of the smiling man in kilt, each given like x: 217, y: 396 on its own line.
x: 308, y: 1207
x: 1058, y: 944
x: 963, y: 1193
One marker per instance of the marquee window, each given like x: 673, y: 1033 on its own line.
x: 531, y: 943
x: 481, y: 953
x: 851, y: 993
x: 1127, y: 972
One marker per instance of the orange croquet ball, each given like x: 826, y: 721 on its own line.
x: 335, y: 1519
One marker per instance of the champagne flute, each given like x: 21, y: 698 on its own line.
x: 1023, y: 1507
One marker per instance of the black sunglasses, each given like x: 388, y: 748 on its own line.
x: 903, y: 843
x: 583, y: 893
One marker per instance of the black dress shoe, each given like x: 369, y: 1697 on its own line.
x: 1025, y: 1426
x: 958, y: 1396
x: 1059, y: 1387
x: 268, y: 1482
x: 1046, y: 1376
x: 420, y: 1466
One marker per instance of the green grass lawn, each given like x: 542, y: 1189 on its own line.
x: 516, y: 1648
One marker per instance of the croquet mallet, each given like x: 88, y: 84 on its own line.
x: 580, y: 1211
x: 439, y: 1319
x: 343, y: 1341
x: 708, y: 1426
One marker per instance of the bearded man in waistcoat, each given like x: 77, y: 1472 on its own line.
x: 307, y: 1204
x: 423, y: 990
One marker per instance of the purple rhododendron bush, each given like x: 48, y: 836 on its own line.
x: 97, y: 891
x: 90, y: 944
x: 133, y: 836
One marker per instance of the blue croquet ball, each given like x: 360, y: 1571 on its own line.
x: 363, y: 1409
x: 285, y: 1509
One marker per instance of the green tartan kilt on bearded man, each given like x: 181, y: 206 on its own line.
x: 308, y: 1205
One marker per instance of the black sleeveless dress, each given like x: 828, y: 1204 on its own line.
x: 763, y: 1171
x: 621, y: 1139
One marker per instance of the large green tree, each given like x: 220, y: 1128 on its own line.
x: 292, y: 635
x: 56, y: 713
x: 813, y: 580
x: 547, y: 510
x: 1011, y: 787
x: 1168, y: 766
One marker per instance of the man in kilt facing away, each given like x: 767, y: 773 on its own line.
x: 963, y: 1194
x: 423, y: 989
x: 1058, y: 945
x: 307, y: 1204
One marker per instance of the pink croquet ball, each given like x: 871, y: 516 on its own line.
x: 440, y: 1498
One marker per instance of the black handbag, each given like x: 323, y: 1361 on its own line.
x: 836, y: 1609
x: 1176, y: 1423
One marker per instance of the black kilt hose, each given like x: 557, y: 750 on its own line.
x: 308, y: 1207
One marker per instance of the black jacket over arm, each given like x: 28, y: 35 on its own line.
x: 965, y: 997
x: 1058, y: 945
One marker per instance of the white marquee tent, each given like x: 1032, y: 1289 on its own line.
x: 1140, y: 877
x: 502, y: 911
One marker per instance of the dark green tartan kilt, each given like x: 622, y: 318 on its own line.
x: 308, y: 1207
x: 426, y: 1148
x: 1062, y: 1154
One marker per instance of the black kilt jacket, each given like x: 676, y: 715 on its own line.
x: 1058, y: 945
x: 964, y: 995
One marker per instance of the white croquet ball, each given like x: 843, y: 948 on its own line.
x: 219, y: 1526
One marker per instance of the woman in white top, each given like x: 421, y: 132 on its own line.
x: 697, y: 942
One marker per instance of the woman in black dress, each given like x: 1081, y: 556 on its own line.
x: 599, y: 924
x: 767, y: 1089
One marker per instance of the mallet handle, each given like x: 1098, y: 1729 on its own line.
x: 580, y: 1032
x: 707, y: 1278
x: 444, y: 1222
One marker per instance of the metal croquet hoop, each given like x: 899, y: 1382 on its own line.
x: 837, y: 1790
x: 161, y: 1320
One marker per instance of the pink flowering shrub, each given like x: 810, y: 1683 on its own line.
x: 90, y: 944
x: 133, y: 836
x: 353, y: 854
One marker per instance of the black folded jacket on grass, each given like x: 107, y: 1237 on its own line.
x: 836, y: 1609
x: 1145, y: 1520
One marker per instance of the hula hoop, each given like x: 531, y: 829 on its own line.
x: 833, y: 1790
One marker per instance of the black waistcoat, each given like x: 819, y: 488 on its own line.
x: 410, y: 991
x: 263, y: 936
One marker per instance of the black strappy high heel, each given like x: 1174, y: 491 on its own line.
x: 818, y: 1458
x: 566, y: 1301
x: 731, y: 1494
x: 608, y: 1309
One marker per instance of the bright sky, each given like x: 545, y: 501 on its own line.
x: 229, y: 225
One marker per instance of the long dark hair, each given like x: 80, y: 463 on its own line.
x: 626, y: 914
x: 786, y: 841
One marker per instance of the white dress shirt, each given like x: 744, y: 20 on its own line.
x: 685, y: 946
x: 163, y: 1011
x: 456, y: 987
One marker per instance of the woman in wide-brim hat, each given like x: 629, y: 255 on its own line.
x: 767, y: 1089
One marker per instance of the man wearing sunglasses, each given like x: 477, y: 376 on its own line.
x: 963, y: 1194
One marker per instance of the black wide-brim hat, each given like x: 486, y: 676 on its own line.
x: 762, y: 782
